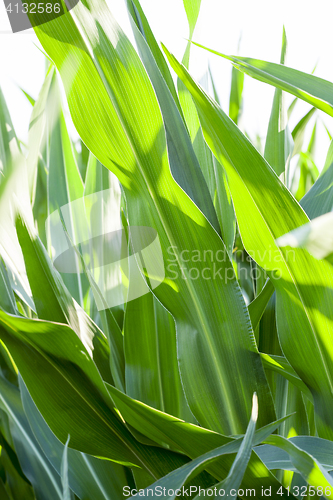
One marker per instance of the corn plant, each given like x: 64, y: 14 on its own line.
x: 166, y: 282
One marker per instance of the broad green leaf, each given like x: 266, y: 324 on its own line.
x: 215, y: 180
x: 215, y: 176
x: 290, y: 400
x: 184, y: 165
x: 236, y: 91
x: 175, y: 481
x: 88, y: 476
x: 309, y: 88
x: 316, y: 237
x: 28, y: 96
x: 234, y: 479
x: 150, y: 341
x: 266, y: 210
x: 121, y: 123
x: 71, y: 396
x: 34, y: 463
x: 192, y: 8
x: 3, y: 491
x: 53, y: 301
x: 278, y: 458
x: 311, y: 470
x: 191, y: 439
x: 278, y: 146
x: 16, y: 486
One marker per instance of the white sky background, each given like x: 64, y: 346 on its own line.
x: 220, y: 24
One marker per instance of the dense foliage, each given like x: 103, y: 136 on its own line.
x: 212, y: 371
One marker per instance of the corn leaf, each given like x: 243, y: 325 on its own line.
x: 278, y: 146
x: 303, y: 299
x: 121, y: 124
x: 34, y: 463
x: 232, y: 482
x: 316, y: 237
x: 277, y: 458
x: 70, y: 394
x: 311, y: 470
x: 87, y: 475
x: 309, y: 88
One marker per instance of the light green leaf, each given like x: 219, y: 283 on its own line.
x: 14, y: 191
x: 236, y: 91
x: 309, y: 88
x: 319, y: 200
x: 184, y: 165
x: 266, y: 210
x: 192, y: 9
x: 299, y: 131
x: 150, y: 341
x: 121, y: 123
x: 280, y: 365
x: 311, y: 470
x: 191, y: 439
x: 71, y: 396
x: 64, y: 187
